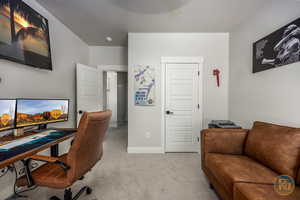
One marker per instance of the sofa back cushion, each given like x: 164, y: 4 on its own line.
x: 277, y: 147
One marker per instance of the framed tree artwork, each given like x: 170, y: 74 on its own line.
x: 24, y: 35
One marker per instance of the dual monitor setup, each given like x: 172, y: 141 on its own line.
x: 21, y: 113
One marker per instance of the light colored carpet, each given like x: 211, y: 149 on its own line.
x: 122, y: 176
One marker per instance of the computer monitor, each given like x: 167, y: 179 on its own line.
x: 7, y: 114
x: 32, y: 112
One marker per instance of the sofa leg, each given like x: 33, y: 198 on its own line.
x: 211, y: 186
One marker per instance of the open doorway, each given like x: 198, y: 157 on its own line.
x: 115, y: 93
x: 122, y: 95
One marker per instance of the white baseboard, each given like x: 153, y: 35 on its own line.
x: 145, y: 150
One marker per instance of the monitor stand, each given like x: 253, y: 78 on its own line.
x: 42, y: 127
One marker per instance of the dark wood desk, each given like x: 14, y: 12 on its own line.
x: 68, y: 133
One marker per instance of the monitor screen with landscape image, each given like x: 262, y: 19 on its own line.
x: 7, y: 114
x: 31, y: 112
x: 24, y: 35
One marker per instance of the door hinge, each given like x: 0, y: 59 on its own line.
x: 198, y: 106
x: 198, y: 139
x: 198, y: 73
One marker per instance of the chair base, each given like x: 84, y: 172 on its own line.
x: 68, y: 194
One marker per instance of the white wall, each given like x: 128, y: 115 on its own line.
x: 24, y: 81
x: 108, y: 58
x: 147, y: 49
x: 272, y: 95
x: 107, y: 55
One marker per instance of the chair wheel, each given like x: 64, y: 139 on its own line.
x: 89, y: 190
x: 54, y: 198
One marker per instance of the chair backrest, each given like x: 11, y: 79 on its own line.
x: 87, y: 148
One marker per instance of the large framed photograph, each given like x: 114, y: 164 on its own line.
x: 278, y: 49
x: 24, y: 35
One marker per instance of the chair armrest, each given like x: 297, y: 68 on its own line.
x: 50, y: 160
x: 225, y: 141
x: 44, y: 158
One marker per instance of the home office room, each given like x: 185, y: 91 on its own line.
x: 149, y: 99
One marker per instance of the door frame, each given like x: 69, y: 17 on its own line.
x: 106, y: 68
x: 180, y: 60
x: 110, y: 68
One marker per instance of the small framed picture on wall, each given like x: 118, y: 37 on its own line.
x: 144, y: 85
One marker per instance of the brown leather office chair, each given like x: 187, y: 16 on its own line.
x: 85, y: 152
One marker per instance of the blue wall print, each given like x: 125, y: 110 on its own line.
x: 144, y: 86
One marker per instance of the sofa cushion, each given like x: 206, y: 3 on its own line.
x: 250, y: 191
x: 277, y: 147
x: 228, y: 169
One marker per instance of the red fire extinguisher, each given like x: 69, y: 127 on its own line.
x: 216, y: 73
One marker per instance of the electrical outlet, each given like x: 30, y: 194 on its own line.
x: 148, y: 135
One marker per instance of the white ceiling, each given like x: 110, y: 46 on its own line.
x: 94, y: 20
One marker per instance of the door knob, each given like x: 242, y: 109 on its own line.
x: 169, y: 112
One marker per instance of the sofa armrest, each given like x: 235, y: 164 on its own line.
x: 225, y: 141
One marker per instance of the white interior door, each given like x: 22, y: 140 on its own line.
x: 88, y: 90
x: 182, y: 114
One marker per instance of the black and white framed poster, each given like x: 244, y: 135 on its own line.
x: 280, y: 48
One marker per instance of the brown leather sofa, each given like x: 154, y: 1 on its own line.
x: 244, y: 164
